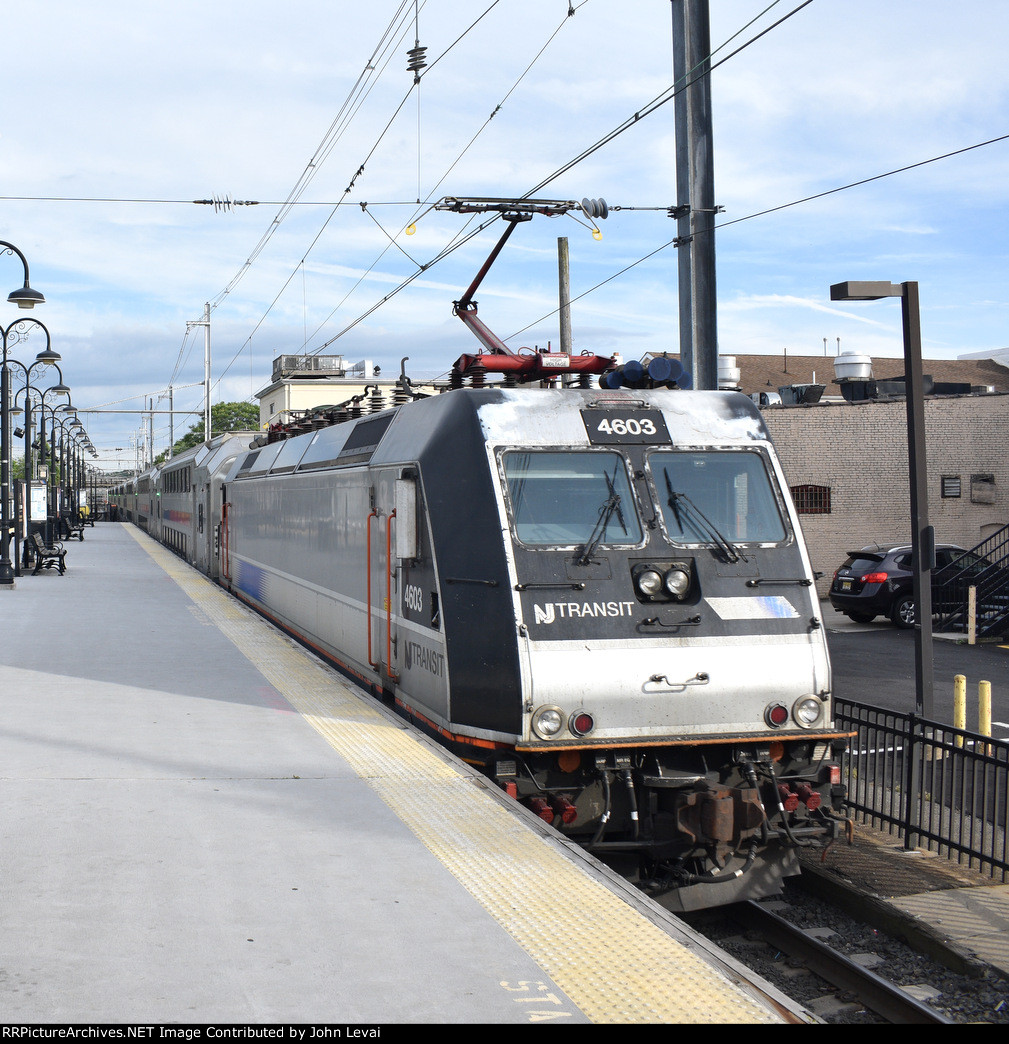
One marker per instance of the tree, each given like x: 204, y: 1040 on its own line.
x: 225, y: 416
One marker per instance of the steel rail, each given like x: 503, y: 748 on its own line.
x: 887, y: 1000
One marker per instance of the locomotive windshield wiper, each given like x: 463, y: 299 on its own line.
x: 731, y: 552
x: 610, y: 507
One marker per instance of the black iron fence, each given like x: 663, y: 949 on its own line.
x: 938, y: 787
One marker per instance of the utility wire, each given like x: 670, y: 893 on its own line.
x: 772, y: 210
x: 426, y: 209
x: 383, y: 52
x: 456, y: 239
x: 668, y: 95
x: 662, y: 99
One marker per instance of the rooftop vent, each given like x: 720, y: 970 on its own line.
x: 728, y: 373
x: 850, y: 366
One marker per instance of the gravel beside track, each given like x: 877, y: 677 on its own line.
x: 843, y: 899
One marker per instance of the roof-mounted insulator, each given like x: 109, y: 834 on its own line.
x: 415, y: 61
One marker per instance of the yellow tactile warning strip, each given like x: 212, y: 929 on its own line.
x: 610, y: 960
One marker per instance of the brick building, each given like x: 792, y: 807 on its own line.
x: 846, y: 462
x: 846, y: 465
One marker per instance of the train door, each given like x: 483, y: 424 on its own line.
x: 392, y: 545
x: 221, y: 543
x: 380, y: 584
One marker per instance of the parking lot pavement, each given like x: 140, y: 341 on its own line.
x: 838, y: 623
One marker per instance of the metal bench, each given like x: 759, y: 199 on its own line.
x: 48, y: 556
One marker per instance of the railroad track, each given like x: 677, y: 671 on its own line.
x: 889, y: 1002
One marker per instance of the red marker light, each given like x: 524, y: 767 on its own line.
x: 581, y: 724
x: 776, y: 715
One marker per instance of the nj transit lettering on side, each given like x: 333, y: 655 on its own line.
x: 420, y: 657
x: 547, y: 614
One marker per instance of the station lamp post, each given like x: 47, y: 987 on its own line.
x: 69, y: 465
x: 45, y: 358
x: 23, y: 297
x: 57, y: 454
x: 922, y: 534
x: 48, y: 453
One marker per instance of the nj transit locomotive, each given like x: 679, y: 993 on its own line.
x: 601, y: 597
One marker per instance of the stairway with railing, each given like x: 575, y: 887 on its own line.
x: 984, y: 567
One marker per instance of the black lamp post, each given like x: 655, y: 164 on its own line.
x: 58, y: 452
x: 922, y: 534
x: 81, y: 442
x: 45, y: 358
x: 24, y: 297
x: 69, y: 430
x: 52, y: 501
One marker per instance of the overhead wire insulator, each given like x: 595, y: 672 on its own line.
x: 415, y: 61
x: 595, y: 208
x: 592, y: 209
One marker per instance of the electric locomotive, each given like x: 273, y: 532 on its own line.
x: 601, y: 597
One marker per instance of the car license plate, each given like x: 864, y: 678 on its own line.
x: 845, y: 585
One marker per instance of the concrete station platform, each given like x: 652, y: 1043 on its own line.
x: 202, y: 823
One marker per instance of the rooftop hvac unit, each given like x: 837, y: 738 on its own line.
x: 308, y: 366
x: 798, y: 394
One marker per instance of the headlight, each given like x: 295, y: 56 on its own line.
x: 808, y: 711
x: 649, y: 582
x: 677, y: 583
x: 547, y: 722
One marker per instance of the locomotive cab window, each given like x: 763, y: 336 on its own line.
x: 571, y: 498
x: 714, y: 497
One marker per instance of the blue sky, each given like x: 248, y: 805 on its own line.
x: 118, y: 113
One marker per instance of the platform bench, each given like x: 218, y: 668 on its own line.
x: 48, y: 556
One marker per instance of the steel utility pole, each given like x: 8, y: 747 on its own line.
x: 695, y: 191
x: 205, y: 323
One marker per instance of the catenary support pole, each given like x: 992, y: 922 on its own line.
x: 695, y: 192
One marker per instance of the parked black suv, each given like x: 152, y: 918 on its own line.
x: 877, y: 581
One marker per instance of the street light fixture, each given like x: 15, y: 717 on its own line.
x: 922, y: 534
x: 24, y: 297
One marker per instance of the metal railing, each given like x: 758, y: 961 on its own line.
x: 951, y: 584
x: 938, y: 787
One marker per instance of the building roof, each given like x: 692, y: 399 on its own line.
x: 771, y: 372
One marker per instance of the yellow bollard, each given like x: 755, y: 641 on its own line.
x: 959, y: 705
x: 984, y: 710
